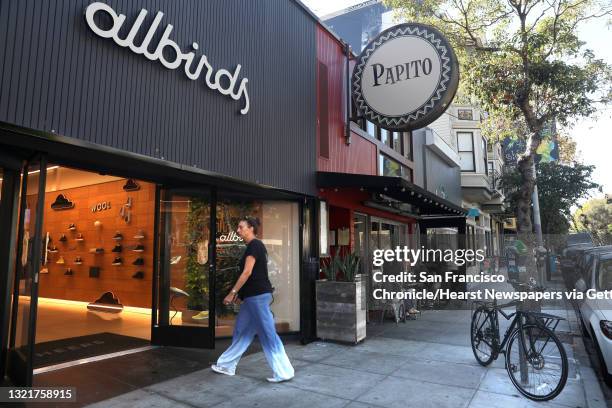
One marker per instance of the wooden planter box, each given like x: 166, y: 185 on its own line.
x: 341, y: 311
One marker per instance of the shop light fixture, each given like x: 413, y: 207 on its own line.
x: 38, y: 171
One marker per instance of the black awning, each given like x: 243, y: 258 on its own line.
x: 397, y: 188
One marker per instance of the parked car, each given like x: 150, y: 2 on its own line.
x: 579, y: 238
x: 596, y: 314
x: 568, y: 263
x: 585, y: 257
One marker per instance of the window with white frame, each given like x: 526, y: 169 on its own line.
x: 465, y: 147
x: 484, y: 155
x: 370, y: 128
x: 465, y: 114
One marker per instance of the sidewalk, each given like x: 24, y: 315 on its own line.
x: 422, y: 363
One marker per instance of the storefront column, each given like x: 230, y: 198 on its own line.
x: 8, y: 217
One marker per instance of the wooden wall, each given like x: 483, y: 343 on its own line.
x: 118, y: 279
x: 360, y: 157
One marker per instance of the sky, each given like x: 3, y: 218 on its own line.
x: 593, y: 136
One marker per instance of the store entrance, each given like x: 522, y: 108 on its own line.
x: 84, y: 268
x: 96, y: 269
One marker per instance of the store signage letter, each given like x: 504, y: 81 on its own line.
x: 236, y: 90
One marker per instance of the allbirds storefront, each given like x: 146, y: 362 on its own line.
x: 133, y: 137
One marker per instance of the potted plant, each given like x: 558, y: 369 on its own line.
x: 341, y: 309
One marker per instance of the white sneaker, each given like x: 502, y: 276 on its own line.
x: 278, y: 380
x: 222, y: 370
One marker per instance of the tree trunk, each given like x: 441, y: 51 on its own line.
x: 525, y: 231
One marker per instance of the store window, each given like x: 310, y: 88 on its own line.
x: 323, y: 229
x: 279, y: 232
x: 360, y: 240
x: 396, y: 141
x: 465, y: 145
x: 370, y: 128
x: 385, y: 137
x: 186, y: 230
x: 407, y: 136
x: 94, y: 229
x: 389, y: 167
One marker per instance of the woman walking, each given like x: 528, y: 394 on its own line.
x: 253, y: 291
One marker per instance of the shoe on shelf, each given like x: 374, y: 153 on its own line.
x: 78, y: 260
x: 68, y: 272
x: 138, y: 275
x: 175, y: 259
x: 53, y: 249
x: 72, y: 227
x: 222, y: 370
x: 117, y: 261
x: 138, y: 248
x: 201, y: 316
x: 79, y: 237
x: 117, y: 248
x: 278, y: 379
x: 60, y: 260
x: 63, y: 238
x: 139, y: 235
x: 118, y: 236
x: 138, y: 261
x: 97, y: 250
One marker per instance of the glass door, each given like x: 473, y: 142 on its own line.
x: 184, y: 287
x: 30, y: 256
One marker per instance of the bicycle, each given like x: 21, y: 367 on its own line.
x: 538, y: 372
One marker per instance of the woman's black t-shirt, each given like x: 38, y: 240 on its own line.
x: 258, y: 283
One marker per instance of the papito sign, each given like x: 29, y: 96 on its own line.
x: 406, y: 77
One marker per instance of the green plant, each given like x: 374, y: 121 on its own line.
x: 341, y: 268
x: 196, y: 275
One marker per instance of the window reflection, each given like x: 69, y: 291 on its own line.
x: 279, y: 231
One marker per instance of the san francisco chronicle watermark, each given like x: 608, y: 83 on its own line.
x: 405, y: 284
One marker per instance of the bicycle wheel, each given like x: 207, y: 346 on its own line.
x: 483, y: 336
x: 545, y: 368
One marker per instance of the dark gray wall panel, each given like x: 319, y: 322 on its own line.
x: 431, y: 172
x: 56, y: 75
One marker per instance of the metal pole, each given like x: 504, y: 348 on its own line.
x: 537, y: 222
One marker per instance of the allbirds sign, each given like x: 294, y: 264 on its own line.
x: 406, y: 77
x: 221, y: 80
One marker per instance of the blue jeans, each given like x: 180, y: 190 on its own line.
x: 255, y: 317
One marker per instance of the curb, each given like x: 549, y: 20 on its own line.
x: 593, y: 394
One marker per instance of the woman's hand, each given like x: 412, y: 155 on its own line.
x: 230, y: 298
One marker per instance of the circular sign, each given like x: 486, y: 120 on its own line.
x: 406, y: 77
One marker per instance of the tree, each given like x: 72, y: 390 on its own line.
x: 524, y: 62
x: 595, y: 216
x: 559, y: 186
